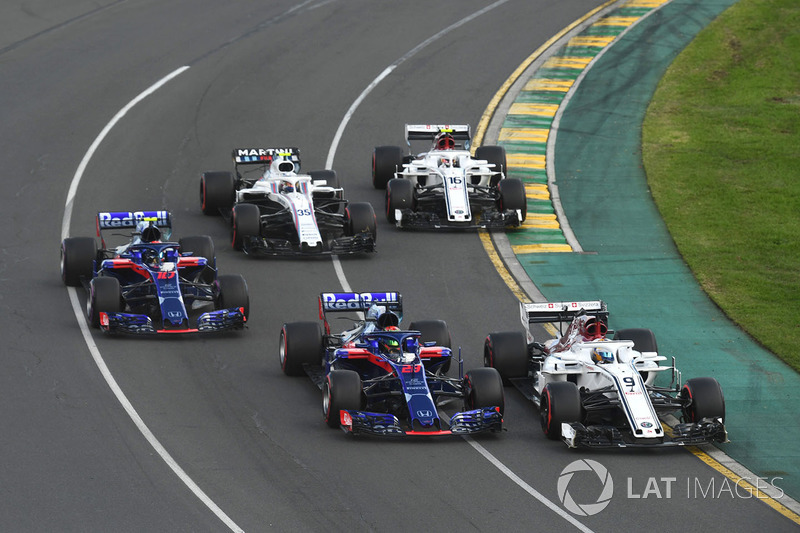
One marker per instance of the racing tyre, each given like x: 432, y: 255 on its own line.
x: 104, y: 297
x: 434, y: 331
x: 233, y: 293
x: 301, y: 344
x: 706, y: 398
x: 386, y: 160
x: 201, y: 246
x: 341, y: 390
x: 330, y: 177
x: 495, y: 155
x: 77, y: 259
x: 644, y: 340
x: 361, y: 219
x: 507, y: 352
x: 399, y: 195
x: 483, y: 387
x: 246, y: 222
x: 512, y: 196
x: 560, y: 402
x: 217, y: 192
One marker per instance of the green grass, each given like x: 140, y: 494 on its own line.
x: 721, y: 148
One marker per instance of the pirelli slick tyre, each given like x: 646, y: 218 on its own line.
x: 330, y: 177
x: 300, y: 344
x: 104, y: 297
x: 386, y: 160
x: 512, y: 196
x: 217, y: 192
x: 341, y: 391
x: 399, y: 195
x: 434, y: 331
x: 233, y: 293
x: 704, y: 399
x: 507, y: 352
x: 361, y: 219
x: 495, y: 155
x: 201, y: 246
x: 644, y: 340
x: 245, y: 222
x: 560, y: 403
x: 77, y: 260
x: 483, y: 387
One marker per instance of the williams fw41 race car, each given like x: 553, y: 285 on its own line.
x: 377, y: 379
x: 148, y: 284
x: 445, y: 187
x: 593, y: 391
x: 273, y: 209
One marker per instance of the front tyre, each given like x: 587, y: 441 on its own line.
x: 300, y: 344
x: 703, y: 398
x: 560, y: 403
x: 399, y: 195
x: 483, y: 387
x: 341, y: 391
x: 512, y: 196
x: 246, y: 222
x: 104, y: 297
x: 233, y: 293
x: 361, y: 219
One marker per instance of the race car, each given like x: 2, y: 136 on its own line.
x: 273, y: 209
x: 596, y: 391
x: 149, y: 284
x: 445, y: 187
x: 377, y: 379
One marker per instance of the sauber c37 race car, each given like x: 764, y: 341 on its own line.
x: 593, y: 391
x: 148, y: 285
x: 380, y: 380
x: 445, y: 187
x: 273, y: 209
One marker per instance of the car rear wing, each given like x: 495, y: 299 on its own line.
x: 265, y: 156
x: 358, y: 301
x: 551, y: 312
x: 115, y: 220
x: 428, y: 132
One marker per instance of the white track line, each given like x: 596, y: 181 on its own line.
x: 87, y: 336
x: 346, y: 286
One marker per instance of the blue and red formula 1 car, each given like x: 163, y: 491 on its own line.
x: 380, y: 380
x: 149, y: 286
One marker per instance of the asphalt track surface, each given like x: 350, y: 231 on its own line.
x: 250, y: 438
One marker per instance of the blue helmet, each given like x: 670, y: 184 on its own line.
x: 601, y: 355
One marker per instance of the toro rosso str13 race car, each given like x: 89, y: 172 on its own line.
x: 273, y: 209
x: 149, y: 285
x: 594, y: 391
x: 380, y: 380
x: 445, y: 187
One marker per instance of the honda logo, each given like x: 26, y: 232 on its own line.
x: 425, y: 414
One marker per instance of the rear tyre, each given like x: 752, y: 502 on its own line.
x: 246, y: 222
x: 512, y: 196
x: 104, y: 297
x: 217, y: 191
x: 77, y: 260
x: 330, y: 177
x: 233, y: 293
x: 386, y: 160
x: 434, y: 331
x: 361, y: 219
x: 483, y: 387
x: 399, y: 195
x: 644, y: 340
x: 301, y: 344
x: 201, y: 246
x: 507, y: 352
x: 706, y: 399
x: 342, y: 390
x: 495, y: 155
x: 560, y: 402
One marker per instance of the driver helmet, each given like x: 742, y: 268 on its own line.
x: 148, y: 232
x: 150, y: 258
x: 287, y: 186
x: 444, y: 141
x: 601, y: 355
x: 390, y: 347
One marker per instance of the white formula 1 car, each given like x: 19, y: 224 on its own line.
x: 593, y: 391
x: 446, y: 187
x: 273, y: 209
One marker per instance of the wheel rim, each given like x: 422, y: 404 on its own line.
x: 326, y: 401
x: 282, y: 350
